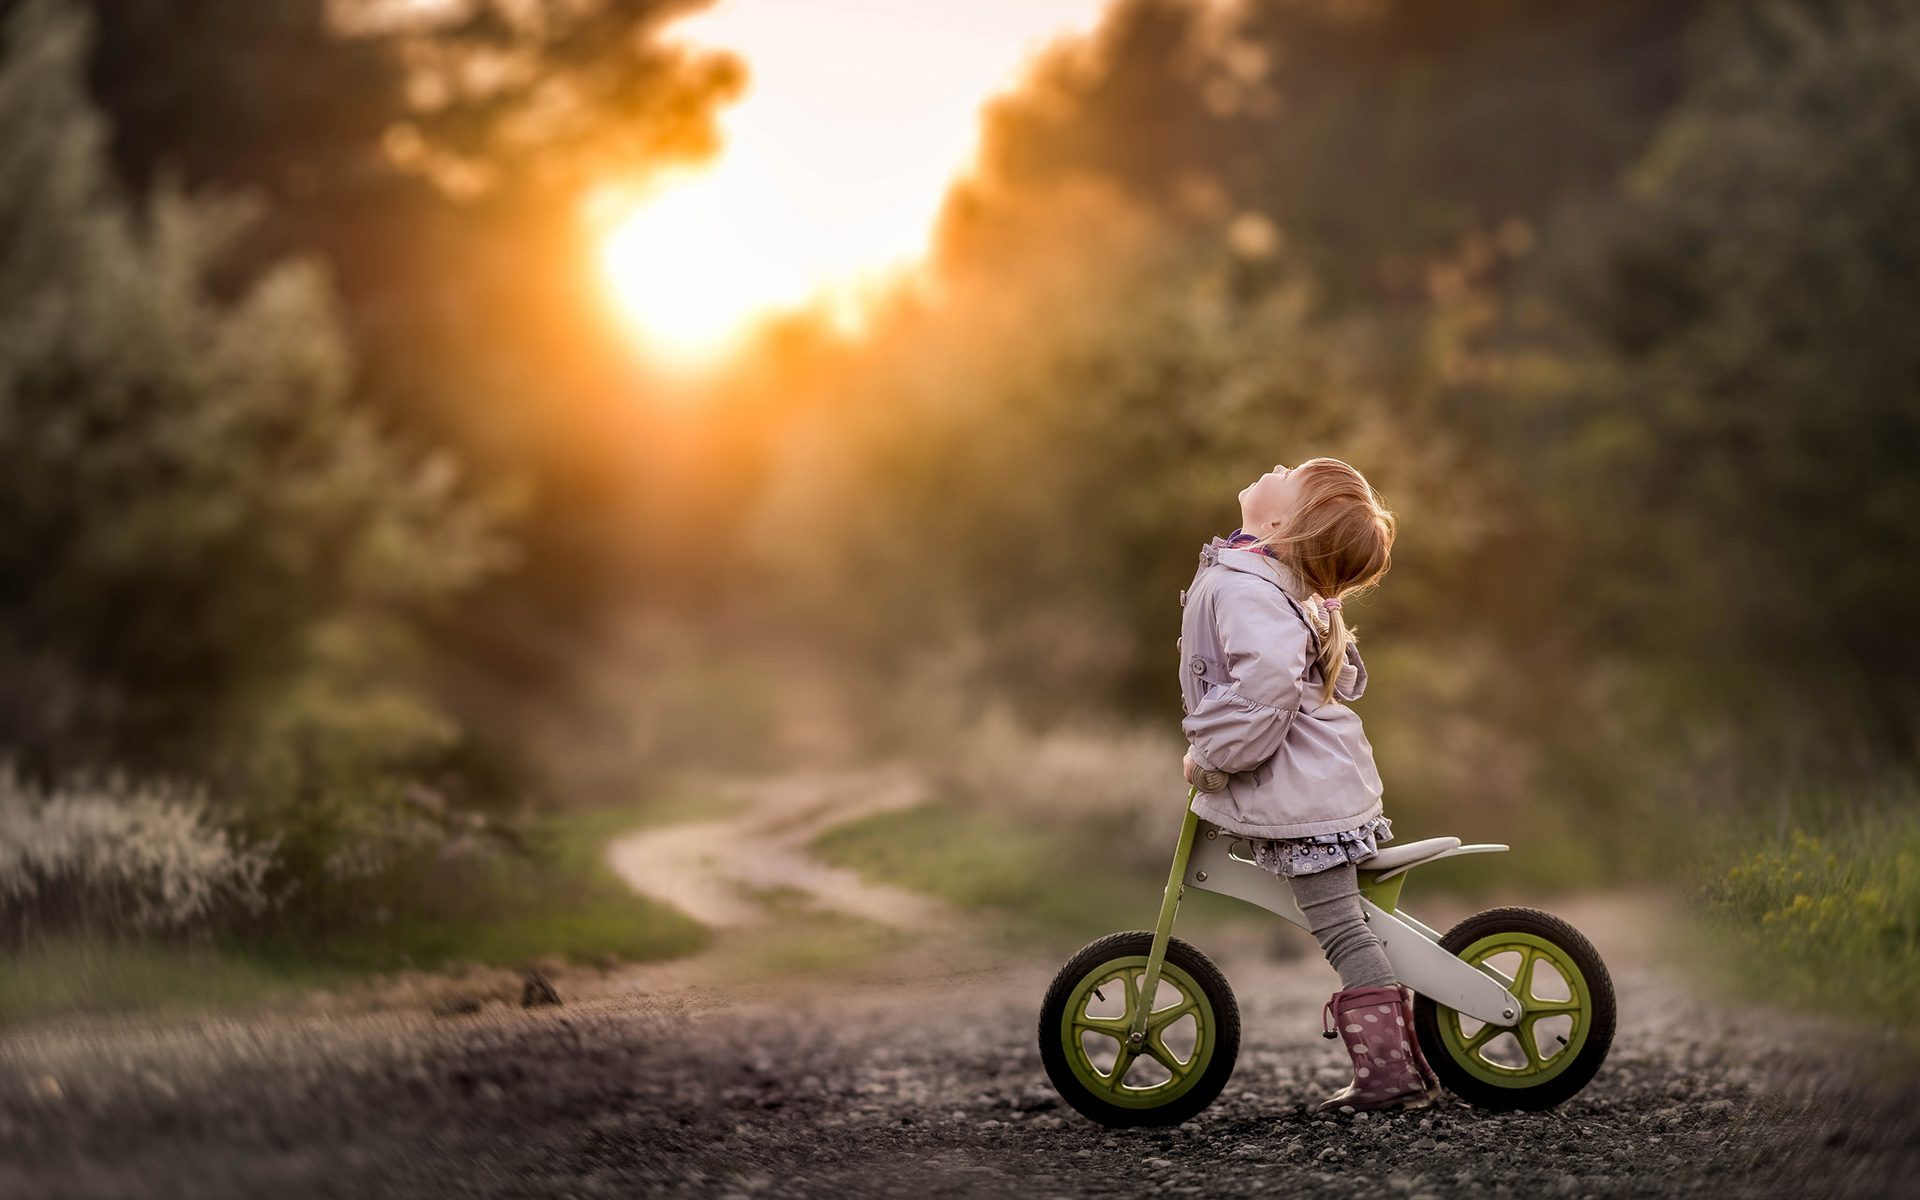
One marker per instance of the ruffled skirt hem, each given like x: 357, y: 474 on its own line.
x: 1288, y: 857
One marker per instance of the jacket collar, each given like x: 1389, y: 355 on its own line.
x: 1253, y: 562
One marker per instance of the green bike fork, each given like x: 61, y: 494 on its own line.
x: 1163, y: 929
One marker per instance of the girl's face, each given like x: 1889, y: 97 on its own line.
x: 1268, y: 502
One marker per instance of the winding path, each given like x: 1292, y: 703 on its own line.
x: 731, y: 873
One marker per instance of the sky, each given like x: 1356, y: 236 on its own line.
x: 858, y: 115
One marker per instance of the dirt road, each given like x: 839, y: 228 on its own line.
x: 917, y: 1082
x: 716, y: 871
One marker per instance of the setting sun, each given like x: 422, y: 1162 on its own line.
x: 858, y: 116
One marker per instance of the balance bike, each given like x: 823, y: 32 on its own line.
x: 1513, y: 1007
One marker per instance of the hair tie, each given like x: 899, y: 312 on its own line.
x: 1320, y: 612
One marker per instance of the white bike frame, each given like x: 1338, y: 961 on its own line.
x: 1205, y: 858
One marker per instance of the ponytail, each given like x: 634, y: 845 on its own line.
x: 1324, y: 614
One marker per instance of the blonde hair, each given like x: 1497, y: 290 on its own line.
x: 1339, y: 541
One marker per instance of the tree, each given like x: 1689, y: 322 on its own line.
x: 1370, y: 139
x: 437, y: 158
x: 213, y: 562
x: 472, y: 311
x: 1734, y: 415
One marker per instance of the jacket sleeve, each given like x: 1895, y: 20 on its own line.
x: 1351, y: 683
x: 1238, y: 725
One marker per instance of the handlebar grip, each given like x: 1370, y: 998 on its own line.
x: 1212, y: 781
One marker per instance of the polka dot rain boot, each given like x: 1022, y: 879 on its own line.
x: 1419, y: 1056
x: 1377, y: 1027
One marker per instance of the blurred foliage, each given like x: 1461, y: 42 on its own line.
x: 566, y: 97
x: 436, y: 157
x: 213, y: 563
x: 1832, y: 921
x: 560, y: 901
x: 1368, y: 139
x: 1722, y: 412
x: 114, y: 859
x: 445, y: 912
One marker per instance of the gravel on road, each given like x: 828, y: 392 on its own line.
x: 923, y: 1085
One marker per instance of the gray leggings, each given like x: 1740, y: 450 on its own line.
x: 1331, y: 901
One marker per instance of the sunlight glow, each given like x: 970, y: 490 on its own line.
x: 859, y: 115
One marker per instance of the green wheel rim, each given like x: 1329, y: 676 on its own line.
x: 1469, y: 1050
x: 1112, y: 1086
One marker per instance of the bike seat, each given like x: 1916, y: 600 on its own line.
x: 1409, y: 854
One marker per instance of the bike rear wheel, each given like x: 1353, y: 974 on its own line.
x: 1193, y: 1033
x: 1566, y: 1020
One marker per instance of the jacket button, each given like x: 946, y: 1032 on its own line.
x: 1199, y: 668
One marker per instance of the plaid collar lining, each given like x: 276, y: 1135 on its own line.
x: 1240, y: 539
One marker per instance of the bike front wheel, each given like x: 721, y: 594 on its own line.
x: 1192, y: 1036
x: 1566, y: 1019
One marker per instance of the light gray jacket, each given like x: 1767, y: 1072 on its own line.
x: 1251, y: 689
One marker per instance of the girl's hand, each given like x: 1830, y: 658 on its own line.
x: 1200, y: 777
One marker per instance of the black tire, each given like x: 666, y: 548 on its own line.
x: 1568, y: 1078
x: 1217, y: 1028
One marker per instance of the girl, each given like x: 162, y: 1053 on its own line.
x: 1267, y: 660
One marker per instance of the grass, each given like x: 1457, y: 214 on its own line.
x: 987, y: 861
x: 565, y: 903
x: 1829, y: 921
x: 815, y: 943
x: 78, y: 975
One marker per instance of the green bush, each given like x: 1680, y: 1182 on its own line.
x: 1714, y: 410
x: 214, y: 565
x: 1831, y: 920
x: 556, y: 898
